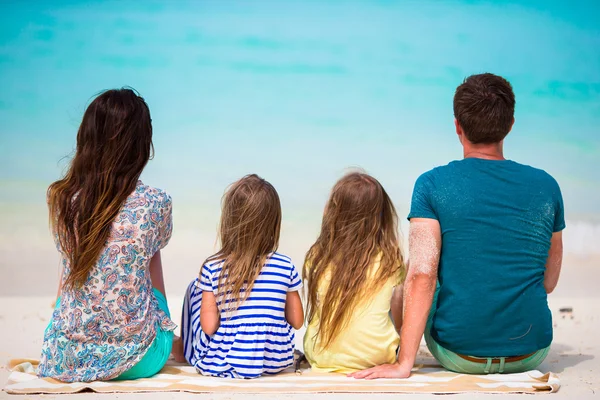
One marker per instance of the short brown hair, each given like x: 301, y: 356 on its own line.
x: 484, y: 106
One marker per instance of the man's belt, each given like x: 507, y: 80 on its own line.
x: 495, y: 360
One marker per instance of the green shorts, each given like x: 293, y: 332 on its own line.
x: 489, y: 365
x: 158, y: 352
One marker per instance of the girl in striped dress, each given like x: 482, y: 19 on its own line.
x: 239, y: 315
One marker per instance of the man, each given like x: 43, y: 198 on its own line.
x: 485, y: 246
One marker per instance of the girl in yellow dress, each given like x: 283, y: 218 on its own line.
x: 354, y: 274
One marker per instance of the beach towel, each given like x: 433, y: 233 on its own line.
x: 182, y: 378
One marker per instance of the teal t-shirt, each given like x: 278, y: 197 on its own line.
x: 497, y: 219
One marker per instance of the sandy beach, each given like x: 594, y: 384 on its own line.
x: 27, y: 296
x: 299, y: 92
x: 575, y: 354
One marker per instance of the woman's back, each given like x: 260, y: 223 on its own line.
x: 369, y: 337
x: 104, y: 327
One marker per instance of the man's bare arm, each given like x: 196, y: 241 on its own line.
x: 554, y: 262
x: 425, y: 243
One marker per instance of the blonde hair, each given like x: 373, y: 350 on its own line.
x: 249, y: 232
x: 359, y: 225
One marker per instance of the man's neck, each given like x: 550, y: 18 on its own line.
x: 486, y: 151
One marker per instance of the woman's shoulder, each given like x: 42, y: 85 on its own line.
x: 153, y: 195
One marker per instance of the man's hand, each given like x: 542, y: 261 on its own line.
x: 396, y: 370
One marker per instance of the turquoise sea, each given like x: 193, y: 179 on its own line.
x: 296, y: 91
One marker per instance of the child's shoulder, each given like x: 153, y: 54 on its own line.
x: 279, y: 258
x: 213, y: 264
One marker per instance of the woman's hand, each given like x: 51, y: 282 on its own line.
x: 397, y: 371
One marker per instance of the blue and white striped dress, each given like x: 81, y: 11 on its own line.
x: 256, y: 339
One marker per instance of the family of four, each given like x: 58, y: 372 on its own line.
x: 485, y: 250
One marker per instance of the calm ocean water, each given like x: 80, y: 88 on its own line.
x: 295, y: 91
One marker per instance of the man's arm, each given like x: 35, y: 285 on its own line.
x: 425, y: 243
x: 554, y: 262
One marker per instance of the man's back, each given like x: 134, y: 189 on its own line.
x: 496, y: 219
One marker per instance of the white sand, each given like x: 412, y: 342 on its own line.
x: 575, y: 354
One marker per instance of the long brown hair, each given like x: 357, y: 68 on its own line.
x: 359, y: 225
x: 249, y: 231
x: 114, y: 144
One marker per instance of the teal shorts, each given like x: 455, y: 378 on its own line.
x: 158, y: 352
x: 488, y: 365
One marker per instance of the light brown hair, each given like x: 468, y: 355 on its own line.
x: 359, y: 224
x: 249, y: 231
x: 114, y: 144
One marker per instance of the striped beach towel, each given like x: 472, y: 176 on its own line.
x: 177, y: 378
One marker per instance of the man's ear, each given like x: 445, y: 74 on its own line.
x: 459, y: 130
x: 511, y: 125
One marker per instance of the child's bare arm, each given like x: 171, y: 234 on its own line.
x: 396, y: 305
x: 209, y: 313
x: 294, y: 313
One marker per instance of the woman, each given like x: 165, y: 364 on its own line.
x: 111, y: 318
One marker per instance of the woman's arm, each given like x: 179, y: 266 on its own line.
x: 60, y: 282
x: 209, y: 313
x: 425, y: 243
x: 294, y: 314
x: 156, y: 273
x: 554, y: 262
